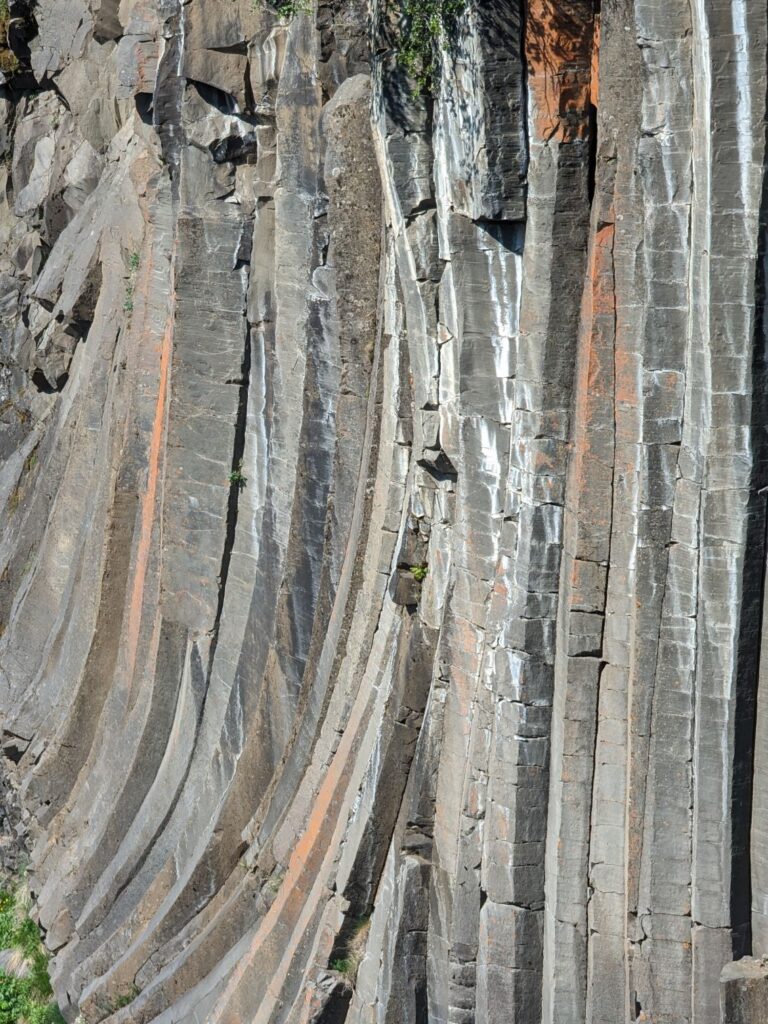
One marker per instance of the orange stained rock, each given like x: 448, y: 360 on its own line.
x: 310, y: 854
x: 594, y: 79
x: 560, y: 55
x: 542, y: 461
x: 596, y: 377
x: 149, y: 497
x: 601, y: 272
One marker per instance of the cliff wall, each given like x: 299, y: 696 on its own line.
x: 383, y: 533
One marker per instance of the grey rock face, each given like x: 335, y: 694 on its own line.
x: 382, y: 562
x: 744, y: 992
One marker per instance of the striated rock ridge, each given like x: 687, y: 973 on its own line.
x: 383, y: 549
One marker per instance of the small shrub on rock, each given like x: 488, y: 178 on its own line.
x: 425, y: 27
x: 237, y: 478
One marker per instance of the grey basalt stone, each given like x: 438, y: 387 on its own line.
x: 383, y: 527
x: 481, y: 112
x: 744, y: 992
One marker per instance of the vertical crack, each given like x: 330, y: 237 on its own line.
x: 196, y: 667
x: 235, y: 488
x: 169, y: 89
x: 750, y: 664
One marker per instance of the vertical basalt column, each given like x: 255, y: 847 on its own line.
x: 560, y: 43
x: 480, y: 825
x: 759, y: 805
x: 729, y: 132
x: 646, y: 715
x: 758, y: 841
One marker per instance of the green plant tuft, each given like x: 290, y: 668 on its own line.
x: 352, y: 949
x: 275, y: 880
x: 237, y: 478
x: 425, y: 28
x: 285, y: 8
x: 134, y: 261
x: 126, y: 998
x: 419, y: 572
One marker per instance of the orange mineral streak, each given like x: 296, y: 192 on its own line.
x: 149, y: 498
x: 601, y: 274
x: 304, y: 868
x: 594, y: 80
x: 596, y: 372
x: 559, y: 52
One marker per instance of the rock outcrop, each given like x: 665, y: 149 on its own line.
x: 745, y: 992
x: 383, y: 476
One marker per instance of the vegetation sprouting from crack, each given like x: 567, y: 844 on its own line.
x: 9, y: 62
x: 424, y: 29
x: 120, y: 1001
x: 285, y: 8
x: 351, y: 955
x: 134, y: 261
x: 237, y: 478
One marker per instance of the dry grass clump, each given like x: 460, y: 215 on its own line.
x: 353, y: 953
x: 9, y: 62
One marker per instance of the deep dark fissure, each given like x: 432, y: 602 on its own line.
x: 236, y: 484
x: 749, y: 657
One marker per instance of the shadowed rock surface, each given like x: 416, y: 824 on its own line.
x: 383, y: 517
x: 745, y: 992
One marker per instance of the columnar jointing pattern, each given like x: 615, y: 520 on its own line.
x: 277, y: 328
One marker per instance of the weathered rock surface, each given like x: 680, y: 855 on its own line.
x: 383, y: 533
x: 745, y: 992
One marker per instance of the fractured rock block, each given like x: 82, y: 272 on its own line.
x: 744, y: 992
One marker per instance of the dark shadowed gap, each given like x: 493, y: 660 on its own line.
x: 753, y: 600
x: 43, y: 385
x: 144, y: 107
x: 592, y: 166
x: 335, y: 1009
x: 235, y: 486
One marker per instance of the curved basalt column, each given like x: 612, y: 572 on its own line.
x: 383, y: 548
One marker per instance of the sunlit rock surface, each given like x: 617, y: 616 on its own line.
x: 383, y: 517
